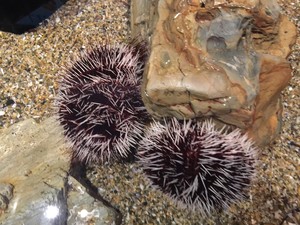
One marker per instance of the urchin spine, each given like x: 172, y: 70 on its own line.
x: 99, y: 103
x: 198, y: 166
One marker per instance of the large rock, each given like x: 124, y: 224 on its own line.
x: 33, y: 161
x: 35, y: 185
x: 220, y: 59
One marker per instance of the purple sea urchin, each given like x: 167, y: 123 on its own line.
x: 99, y: 103
x: 201, y: 168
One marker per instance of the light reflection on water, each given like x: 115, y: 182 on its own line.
x: 51, y: 212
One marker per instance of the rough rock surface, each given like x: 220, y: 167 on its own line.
x: 6, y: 194
x: 35, y: 186
x: 220, y: 59
x: 84, y: 209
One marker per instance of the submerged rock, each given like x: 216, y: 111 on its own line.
x: 35, y: 185
x: 219, y: 59
x: 6, y: 194
x: 34, y: 162
x: 84, y: 209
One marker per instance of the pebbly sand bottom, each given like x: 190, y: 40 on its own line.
x: 28, y: 70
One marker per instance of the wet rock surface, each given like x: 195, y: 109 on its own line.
x: 84, y: 209
x: 6, y: 194
x: 35, y: 185
x: 220, y: 59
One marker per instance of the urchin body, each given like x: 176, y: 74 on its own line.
x: 99, y: 103
x: 201, y: 168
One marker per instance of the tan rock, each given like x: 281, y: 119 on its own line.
x: 274, y: 77
x: 220, y: 59
x: 35, y: 185
x: 35, y: 162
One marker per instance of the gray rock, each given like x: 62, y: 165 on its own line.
x: 34, y: 161
x: 34, y: 179
x: 84, y: 209
x: 6, y: 194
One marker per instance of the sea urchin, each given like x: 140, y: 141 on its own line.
x: 198, y: 166
x: 99, y: 103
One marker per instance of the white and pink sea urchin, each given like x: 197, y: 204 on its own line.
x: 201, y: 168
x: 99, y: 103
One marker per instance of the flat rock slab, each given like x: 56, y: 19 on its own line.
x: 34, y: 180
